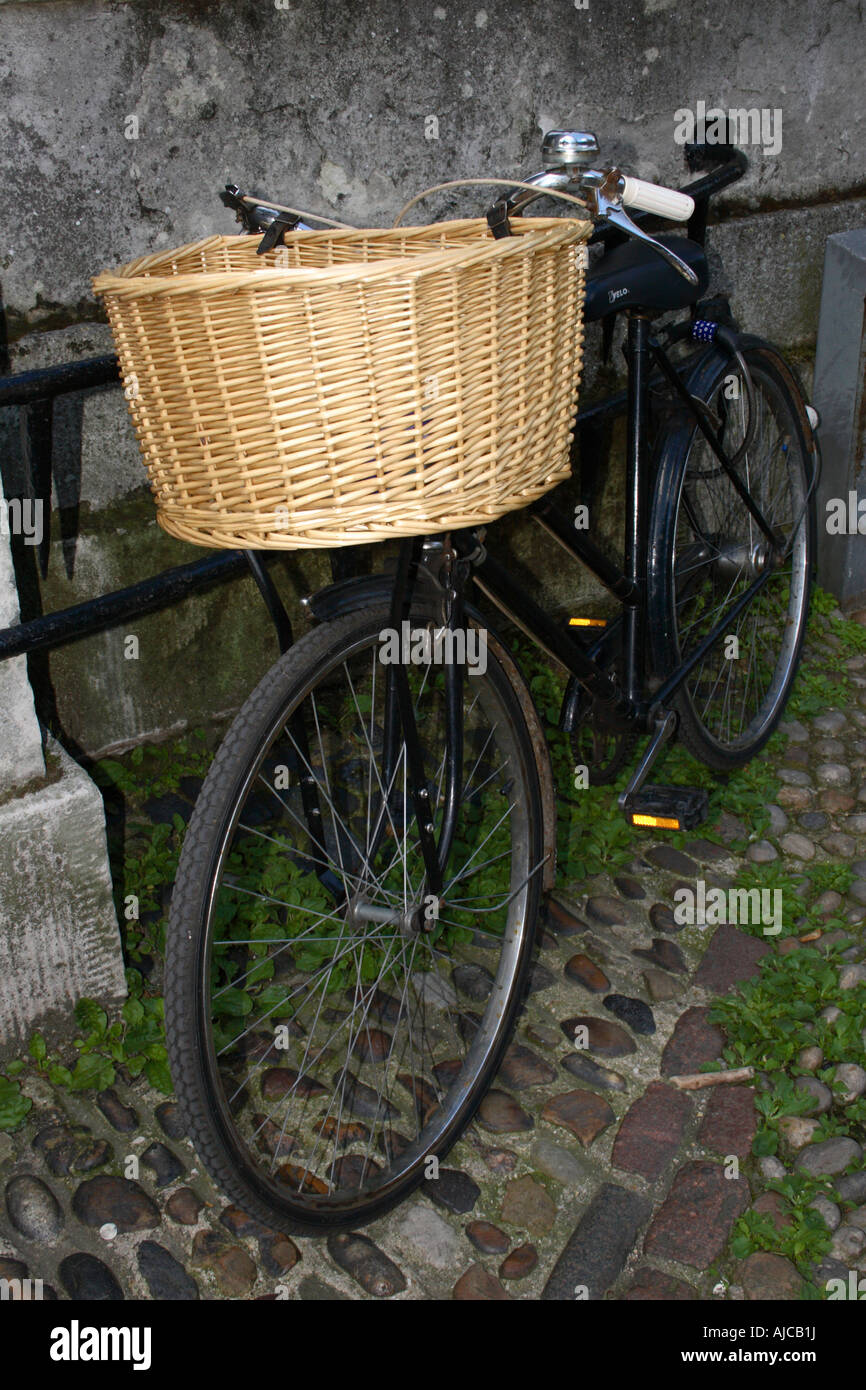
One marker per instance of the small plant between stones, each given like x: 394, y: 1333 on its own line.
x: 796, y: 1024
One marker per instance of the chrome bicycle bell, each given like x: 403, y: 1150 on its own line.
x: 569, y: 149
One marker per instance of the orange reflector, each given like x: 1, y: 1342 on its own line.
x: 661, y: 822
x: 587, y: 622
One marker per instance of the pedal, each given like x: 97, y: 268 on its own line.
x: 667, y: 808
x: 587, y: 622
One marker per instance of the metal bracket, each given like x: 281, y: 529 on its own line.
x: 273, y: 602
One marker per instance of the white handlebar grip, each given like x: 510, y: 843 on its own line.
x: 662, y: 202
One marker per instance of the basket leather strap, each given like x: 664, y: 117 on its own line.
x: 285, y: 222
x: 497, y: 220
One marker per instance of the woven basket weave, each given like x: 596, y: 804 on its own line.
x: 354, y: 385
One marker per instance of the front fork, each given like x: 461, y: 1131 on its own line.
x: 400, y: 724
x: 401, y: 727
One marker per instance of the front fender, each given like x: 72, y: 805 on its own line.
x: 348, y: 595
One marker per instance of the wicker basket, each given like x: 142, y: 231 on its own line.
x: 354, y: 385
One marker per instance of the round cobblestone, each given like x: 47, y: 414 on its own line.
x: 833, y: 722
x: 797, y: 846
x: 32, y: 1208
x: 833, y: 774
x: 762, y: 852
x: 794, y: 777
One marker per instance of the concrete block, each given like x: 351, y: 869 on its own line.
x: 21, y: 757
x: 840, y: 398
x: 59, y: 939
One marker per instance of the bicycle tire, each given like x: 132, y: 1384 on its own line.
x: 200, y: 1086
x: 702, y: 544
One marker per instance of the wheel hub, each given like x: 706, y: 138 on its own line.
x: 743, y: 560
x: 409, y: 921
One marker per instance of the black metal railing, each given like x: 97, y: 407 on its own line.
x: 34, y: 393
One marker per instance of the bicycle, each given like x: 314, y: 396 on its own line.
x: 353, y: 919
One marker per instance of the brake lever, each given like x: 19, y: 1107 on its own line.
x: 606, y: 190
x: 233, y: 198
x: 258, y: 217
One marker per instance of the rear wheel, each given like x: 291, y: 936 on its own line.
x: 706, y: 551
x: 331, y: 1028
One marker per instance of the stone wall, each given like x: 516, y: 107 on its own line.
x: 123, y: 120
x: 332, y: 105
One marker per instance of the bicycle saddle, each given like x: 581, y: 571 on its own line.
x: 635, y: 276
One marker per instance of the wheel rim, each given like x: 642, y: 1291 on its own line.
x: 719, y: 551
x: 386, y: 1026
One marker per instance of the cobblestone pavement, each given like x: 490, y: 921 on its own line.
x: 585, y: 1174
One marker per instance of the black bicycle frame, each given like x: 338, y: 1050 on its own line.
x: 625, y: 703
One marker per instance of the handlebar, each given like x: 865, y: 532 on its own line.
x: 668, y: 203
x: 568, y: 155
x: 654, y: 198
x: 603, y: 193
x: 273, y: 219
x: 607, y: 192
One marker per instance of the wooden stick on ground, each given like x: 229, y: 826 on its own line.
x: 695, y: 1081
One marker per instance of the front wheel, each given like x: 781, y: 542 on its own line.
x: 330, y: 1027
x: 707, y: 552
